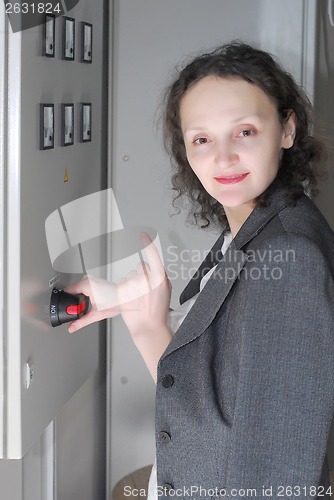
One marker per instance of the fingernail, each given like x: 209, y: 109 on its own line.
x: 145, y: 237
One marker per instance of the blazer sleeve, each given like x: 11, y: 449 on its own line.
x: 284, y: 395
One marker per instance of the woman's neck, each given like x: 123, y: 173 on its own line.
x: 236, y: 216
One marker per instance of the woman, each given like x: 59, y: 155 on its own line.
x: 245, y: 396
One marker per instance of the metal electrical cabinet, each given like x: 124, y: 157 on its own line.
x: 42, y: 367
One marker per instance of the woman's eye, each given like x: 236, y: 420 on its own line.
x: 200, y: 140
x: 246, y: 132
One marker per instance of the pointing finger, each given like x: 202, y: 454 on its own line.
x: 153, y: 255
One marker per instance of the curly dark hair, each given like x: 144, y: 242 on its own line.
x: 300, y: 166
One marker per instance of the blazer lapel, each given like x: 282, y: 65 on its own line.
x: 212, y: 258
x: 210, y: 299
x: 227, y: 271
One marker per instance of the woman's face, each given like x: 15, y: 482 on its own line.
x: 233, y: 138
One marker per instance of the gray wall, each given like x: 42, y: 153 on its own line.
x: 324, y: 108
x: 324, y: 105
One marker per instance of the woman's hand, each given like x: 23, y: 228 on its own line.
x: 144, y: 294
x: 142, y: 297
x: 100, y: 292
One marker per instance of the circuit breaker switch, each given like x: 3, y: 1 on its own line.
x: 66, y: 307
x: 78, y: 309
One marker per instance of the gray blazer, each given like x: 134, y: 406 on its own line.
x: 245, y: 391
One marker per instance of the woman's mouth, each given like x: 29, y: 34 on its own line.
x: 231, y: 179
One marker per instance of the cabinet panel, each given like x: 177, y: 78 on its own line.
x: 38, y: 183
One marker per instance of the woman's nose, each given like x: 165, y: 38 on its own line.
x: 226, y: 154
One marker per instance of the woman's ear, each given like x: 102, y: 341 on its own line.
x: 289, y: 131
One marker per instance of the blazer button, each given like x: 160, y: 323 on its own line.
x: 167, y: 489
x: 164, y: 437
x: 167, y: 381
